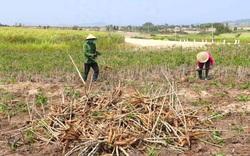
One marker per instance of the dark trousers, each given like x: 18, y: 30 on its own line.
x: 207, y: 66
x: 95, y: 67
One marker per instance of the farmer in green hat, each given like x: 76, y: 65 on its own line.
x: 204, y: 58
x: 90, y: 55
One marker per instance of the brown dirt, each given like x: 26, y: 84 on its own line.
x: 233, y: 126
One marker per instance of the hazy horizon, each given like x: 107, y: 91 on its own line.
x: 121, y: 13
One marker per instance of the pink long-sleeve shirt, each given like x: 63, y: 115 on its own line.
x: 210, y: 59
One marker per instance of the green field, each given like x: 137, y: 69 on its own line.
x: 26, y: 52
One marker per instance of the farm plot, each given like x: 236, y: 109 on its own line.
x: 143, y: 106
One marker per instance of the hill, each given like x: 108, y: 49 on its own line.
x: 239, y: 23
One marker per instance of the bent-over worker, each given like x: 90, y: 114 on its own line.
x: 204, y: 58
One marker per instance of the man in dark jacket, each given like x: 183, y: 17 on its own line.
x: 90, y: 55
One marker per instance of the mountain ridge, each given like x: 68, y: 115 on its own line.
x: 238, y: 23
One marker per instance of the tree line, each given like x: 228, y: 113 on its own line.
x: 150, y: 27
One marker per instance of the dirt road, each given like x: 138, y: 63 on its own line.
x: 161, y: 43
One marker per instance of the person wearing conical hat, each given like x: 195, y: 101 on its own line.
x: 204, y: 58
x: 90, y: 55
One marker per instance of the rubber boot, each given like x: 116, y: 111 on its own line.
x: 95, y: 76
x: 206, y: 75
x: 200, y: 74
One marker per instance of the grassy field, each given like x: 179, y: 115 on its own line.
x: 30, y: 51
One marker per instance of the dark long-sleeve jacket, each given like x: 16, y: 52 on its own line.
x: 89, y: 51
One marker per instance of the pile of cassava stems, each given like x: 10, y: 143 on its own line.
x: 122, y: 124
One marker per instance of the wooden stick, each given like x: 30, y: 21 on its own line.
x: 77, y: 69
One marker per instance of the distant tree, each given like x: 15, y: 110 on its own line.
x: 206, y: 25
x: 115, y: 28
x: 148, y: 24
x: 111, y: 28
x: 129, y: 28
x: 172, y: 26
x: 166, y: 25
x: 75, y: 27
x: 220, y: 28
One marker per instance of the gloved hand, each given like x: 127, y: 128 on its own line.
x: 98, y: 53
x: 198, y: 68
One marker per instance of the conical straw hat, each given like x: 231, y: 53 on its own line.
x: 202, y: 57
x: 91, y: 37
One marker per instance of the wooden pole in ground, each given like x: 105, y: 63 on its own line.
x: 77, y: 69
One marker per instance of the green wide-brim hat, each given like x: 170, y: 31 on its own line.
x: 202, y: 57
x: 91, y: 37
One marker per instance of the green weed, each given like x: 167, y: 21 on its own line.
x: 217, y: 83
x: 41, y: 100
x: 12, y: 146
x: 3, y: 106
x: 198, y: 86
x: 220, y: 154
x: 191, y: 79
x: 216, y: 115
x: 243, y: 98
x: 169, y: 140
x: 97, y: 114
x: 152, y: 151
x: 245, y: 86
x: 22, y: 105
x: 218, y: 139
x: 239, y: 129
x: 30, y: 135
x: 221, y: 94
x: 201, y: 103
x: 131, y: 116
x: 232, y: 85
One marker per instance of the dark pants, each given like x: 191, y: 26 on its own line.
x: 207, y: 66
x: 95, y: 67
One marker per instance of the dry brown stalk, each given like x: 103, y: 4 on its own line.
x: 123, y: 151
x: 157, y: 118
x: 111, y: 124
x: 184, y: 121
x: 77, y: 69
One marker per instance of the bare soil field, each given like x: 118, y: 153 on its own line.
x: 232, y: 122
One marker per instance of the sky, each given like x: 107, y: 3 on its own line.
x: 121, y: 12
